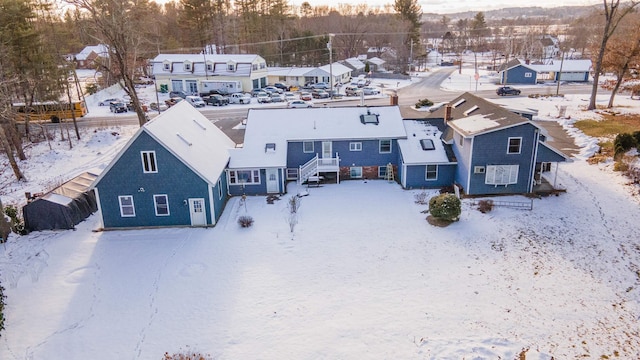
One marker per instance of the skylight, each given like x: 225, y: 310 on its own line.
x: 473, y: 108
x: 369, y: 118
x: 427, y: 144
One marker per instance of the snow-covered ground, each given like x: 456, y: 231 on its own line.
x: 362, y: 276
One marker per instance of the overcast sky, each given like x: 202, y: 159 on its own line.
x: 451, y: 6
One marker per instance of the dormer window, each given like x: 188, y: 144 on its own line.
x: 209, y: 66
x: 188, y: 66
x: 166, y: 66
x: 231, y: 66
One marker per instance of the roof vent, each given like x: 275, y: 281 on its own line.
x: 186, y: 141
x: 270, y: 147
x: 473, y: 108
x: 459, y: 102
x: 200, y: 125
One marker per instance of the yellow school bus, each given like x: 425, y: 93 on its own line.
x: 53, y: 111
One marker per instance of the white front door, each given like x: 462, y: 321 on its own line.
x: 326, y: 149
x: 272, y: 181
x: 197, y: 211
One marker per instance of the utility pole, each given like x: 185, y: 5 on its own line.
x: 330, y: 47
x: 559, y: 75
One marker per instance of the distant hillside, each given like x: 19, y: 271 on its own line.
x: 562, y: 14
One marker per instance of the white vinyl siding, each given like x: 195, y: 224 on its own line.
x: 501, y: 174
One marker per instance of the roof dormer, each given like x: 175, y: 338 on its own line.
x: 231, y: 65
x: 188, y: 65
x: 166, y: 65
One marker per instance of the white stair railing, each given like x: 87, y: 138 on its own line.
x: 308, y: 169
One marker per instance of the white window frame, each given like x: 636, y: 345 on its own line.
x: 356, y: 169
x: 157, y: 206
x: 427, y: 172
x: 380, y: 147
x: 121, y: 198
x: 292, y: 174
x: 188, y: 66
x: 478, y: 169
x: 519, y: 145
x: 209, y: 67
x: 166, y: 66
x: 231, y: 67
x: 149, y: 162
x: 355, y: 146
x: 304, y: 147
x: 528, y: 74
x: 254, y: 177
x: 501, y: 174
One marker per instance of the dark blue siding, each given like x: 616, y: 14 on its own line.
x: 173, y: 178
x: 251, y: 189
x: 517, y: 75
x: 547, y: 155
x: 415, y: 177
x: 491, y: 149
x: 369, y: 156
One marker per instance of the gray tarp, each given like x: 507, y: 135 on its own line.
x: 64, y: 207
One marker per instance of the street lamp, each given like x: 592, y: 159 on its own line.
x: 330, y: 47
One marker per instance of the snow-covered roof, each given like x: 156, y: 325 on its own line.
x: 376, y: 61
x: 223, y: 58
x: 336, y: 69
x: 279, y: 126
x: 100, y: 50
x: 412, y: 149
x: 191, y: 137
x: 290, y: 71
x: 355, y: 63
x: 474, y: 124
x: 567, y: 66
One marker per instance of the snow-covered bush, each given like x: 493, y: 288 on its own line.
x: 484, y: 206
x: 445, y: 207
x: 245, y: 221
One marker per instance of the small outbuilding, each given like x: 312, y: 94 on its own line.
x: 64, y: 207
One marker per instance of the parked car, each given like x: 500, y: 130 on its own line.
x: 158, y: 106
x: 263, y: 97
x: 172, y: 101
x: 306, y: 96
x: 320, y: 94
x: 196, y: 101
x: 275, y: 97
x: 118, y: 107
x: 272, y: 89
x: 239, y: 98
x: 255, y: 92
x: 352, y: 90
x: 282, y: 86
x: 216, y: 100
x: 507, y: 90
x: 368, y: 90
x: 293, y: 104
x: 107, y: 102
x: 320, y: 85
x: 178, y: 93
x: 288, y: 96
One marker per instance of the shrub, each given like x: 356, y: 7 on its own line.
x: 445, y: 207
x: 17, y: 225
x: 188, y: 355
x: 91, y: 88
x: 1, y: 308
x: 423, y: 103
x: 620, y: 165
x: 245, y: 221
x: 623, y: 143
x: 636, y: 135
x: 485, y: 206
x: 420, y: 198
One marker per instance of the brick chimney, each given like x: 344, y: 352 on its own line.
x: 447, y: 113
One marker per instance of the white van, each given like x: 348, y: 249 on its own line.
x: 196, y: 101
x: 352, y: 90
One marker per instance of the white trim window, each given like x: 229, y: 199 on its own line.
x: 307, y: 147
x: 240, y: 177
x: 149, y: 163
x: 166, y: 66
x: 528, y: 74
x: 209, y: 66
x: 355, y: 146
x: 501, y: 174
x: 292, y: 174
x: 431, y: 172
x: 355, y: 172
x: 478, y: 169
x: 514, y: 145
x: 127, y: 208
x: 187, y: 66
x: 385, y: 146
x: 161, y: 204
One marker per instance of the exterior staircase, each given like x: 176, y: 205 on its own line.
x: 318, y: 165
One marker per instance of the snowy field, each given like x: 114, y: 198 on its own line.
x: 362, y: 276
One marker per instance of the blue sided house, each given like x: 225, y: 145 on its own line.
x: 497, y: 151
x: 170, y: 173
x: 179, y: 169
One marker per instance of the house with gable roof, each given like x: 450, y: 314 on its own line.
x: 170, y: 173
x: 497, y: 151
x: 87, y: 57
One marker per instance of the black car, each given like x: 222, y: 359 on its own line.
x: 507, y: 90
x: 118, y: 107
x: 216, y: 100
x: 178, y: 93
x: 282, y: 86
